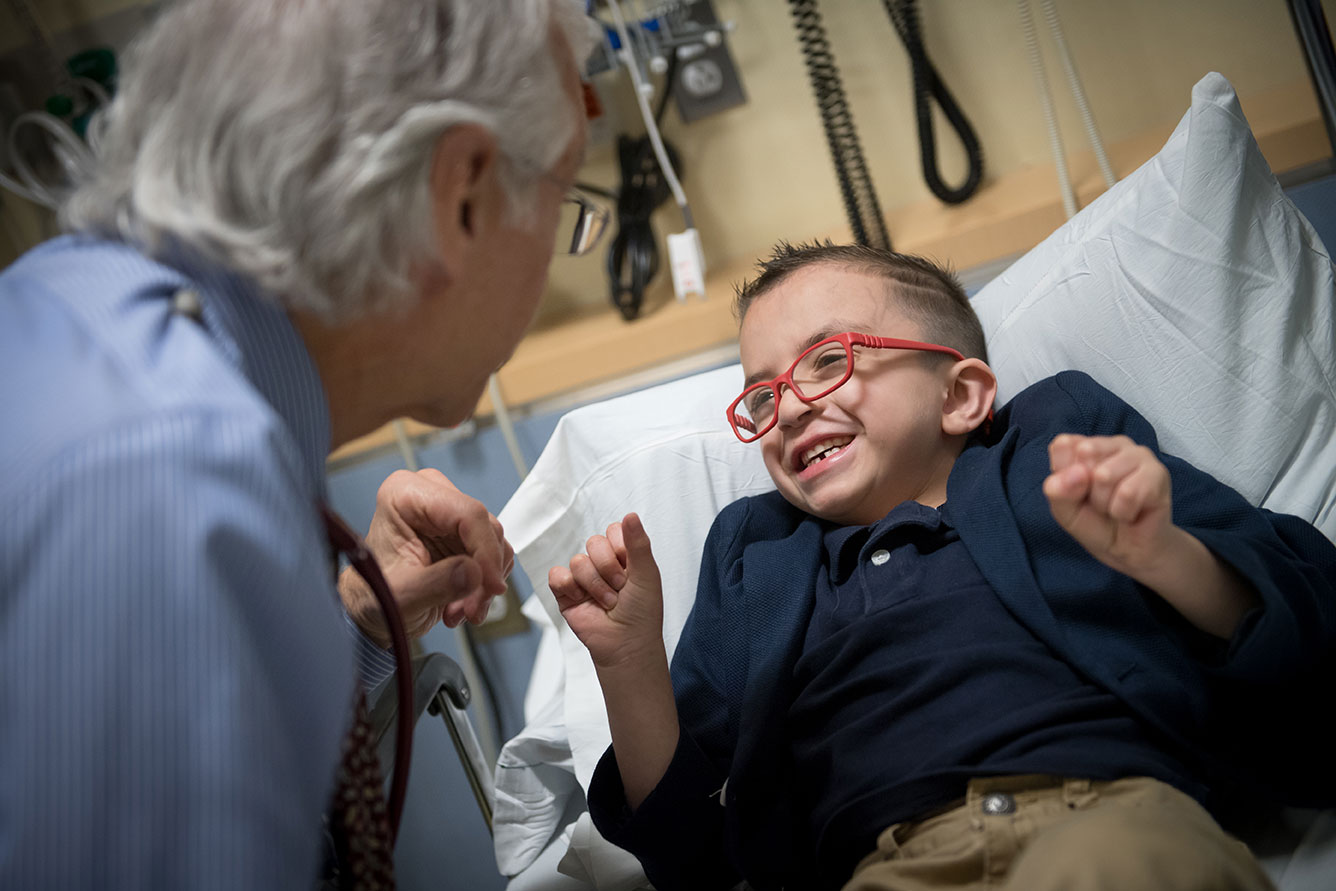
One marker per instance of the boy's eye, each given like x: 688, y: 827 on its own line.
x: 759, y: 401
x: 822, y: 365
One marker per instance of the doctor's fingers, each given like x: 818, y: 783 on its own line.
x: 441, y: 583
x: 481, y: 537
x: 472, y: 609
x: 507, y: 552
x: 449, y: 522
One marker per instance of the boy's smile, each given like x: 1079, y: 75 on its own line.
x: 878, y: 440
x: 809, y: 460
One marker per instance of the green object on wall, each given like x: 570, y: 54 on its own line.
x: 97, y: 65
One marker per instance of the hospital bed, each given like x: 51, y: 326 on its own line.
x: 1193, y: 289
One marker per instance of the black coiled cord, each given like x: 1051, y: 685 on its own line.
x: 927, y: 87
x: 860, y: 199
x: 633, y: 255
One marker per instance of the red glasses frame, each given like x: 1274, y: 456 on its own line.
x: 745, y: 430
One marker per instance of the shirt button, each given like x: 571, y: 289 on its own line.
x: 998, y: 803
x: 881, y: 556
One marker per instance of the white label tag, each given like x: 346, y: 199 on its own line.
x: 688, y: 264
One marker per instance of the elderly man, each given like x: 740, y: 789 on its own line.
x: 307, y: 218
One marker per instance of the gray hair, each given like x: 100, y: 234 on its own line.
x: 292, y: 141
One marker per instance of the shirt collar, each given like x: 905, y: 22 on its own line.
x: 844, y: 544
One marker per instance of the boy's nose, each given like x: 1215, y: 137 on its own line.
x: 791, y: 409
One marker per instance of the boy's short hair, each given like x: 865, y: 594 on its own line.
x: 927, y: 292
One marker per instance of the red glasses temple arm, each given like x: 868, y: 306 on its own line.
x: 896, y: 343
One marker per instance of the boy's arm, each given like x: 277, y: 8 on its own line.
x: 1114, y: 497
x: 612, y: 598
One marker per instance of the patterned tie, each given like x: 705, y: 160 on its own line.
x: 357, y: 826
x: 360, y: 829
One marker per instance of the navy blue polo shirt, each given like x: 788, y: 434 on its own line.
x: 915, y: 678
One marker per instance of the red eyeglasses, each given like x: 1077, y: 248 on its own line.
x: 821, y: 370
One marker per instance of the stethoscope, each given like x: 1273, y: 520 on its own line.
x: 186, y: 303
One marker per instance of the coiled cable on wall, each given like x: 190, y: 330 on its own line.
x: 860, y: 199
x: 928, y: 86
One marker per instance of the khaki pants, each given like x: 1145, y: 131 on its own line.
x: 1034, y: 833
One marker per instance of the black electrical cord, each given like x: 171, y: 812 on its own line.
x: 633, y: 255
x: 860, y: 199
x: 928, y: 86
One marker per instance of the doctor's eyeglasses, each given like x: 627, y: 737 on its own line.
x: 583, y: 221
x: 819, y: 371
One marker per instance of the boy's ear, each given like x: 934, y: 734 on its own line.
x: 971, y: 389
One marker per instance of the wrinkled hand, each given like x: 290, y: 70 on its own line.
x: 444, y: 556
x: 1114, y: 497
x: 612, y: 596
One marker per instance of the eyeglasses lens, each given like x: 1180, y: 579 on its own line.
x: 583, y: 221
x: 816, y: 373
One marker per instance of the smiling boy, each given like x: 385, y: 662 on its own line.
x: 952, y: 650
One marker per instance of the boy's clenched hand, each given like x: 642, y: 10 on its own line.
x: 612, y: 596
x: 1113, y: 496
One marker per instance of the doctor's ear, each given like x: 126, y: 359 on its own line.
x: 466, y: 189
x: 971, y: 389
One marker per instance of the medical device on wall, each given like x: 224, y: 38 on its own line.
x: 684, y: 42
x: 860, y: 197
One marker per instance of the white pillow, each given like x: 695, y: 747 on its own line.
x: 1193, y: 289
x: 1198, y: 293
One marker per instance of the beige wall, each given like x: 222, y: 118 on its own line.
x: 762, y: 172
x: 56, y: 16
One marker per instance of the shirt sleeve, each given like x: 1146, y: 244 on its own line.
x: 1285, y: 560
x: 375, y: 664
x: 678, y: 831
x: 173, y: 668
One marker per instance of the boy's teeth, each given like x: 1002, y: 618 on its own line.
x: 819, y: 450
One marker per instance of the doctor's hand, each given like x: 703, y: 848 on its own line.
x: 612, y: 596
x: 443, y: 554
x: 1114, y: 497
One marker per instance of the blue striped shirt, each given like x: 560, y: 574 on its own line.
x: 176, y: 674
